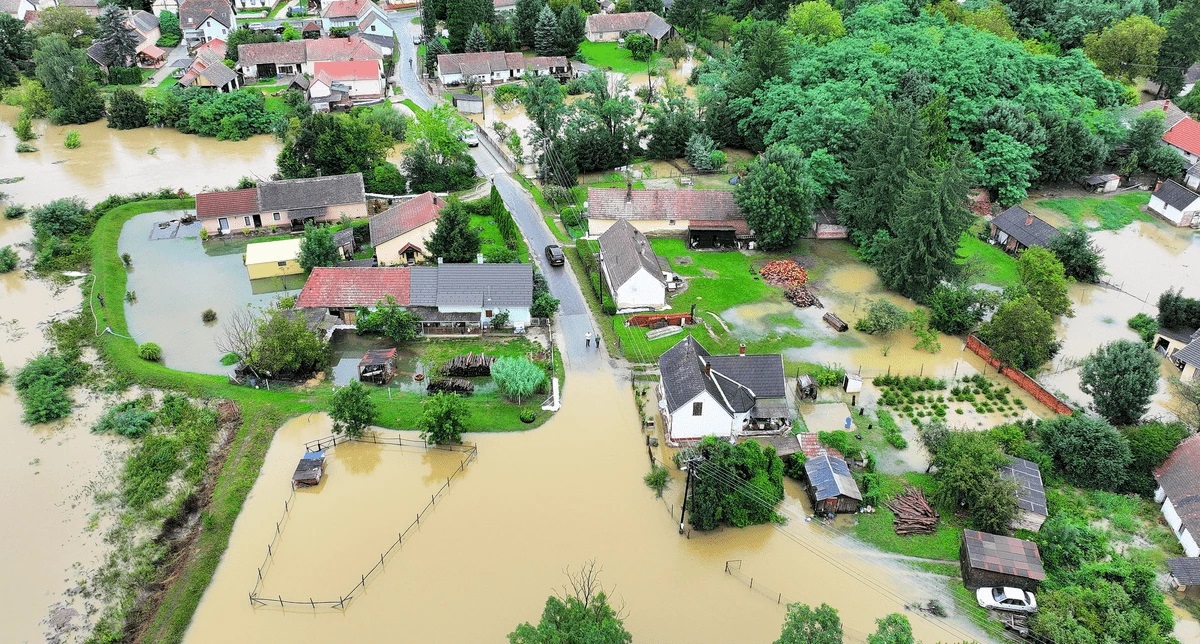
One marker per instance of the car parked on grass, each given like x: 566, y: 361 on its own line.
x: 554, y: 255
x: 1008, y: 599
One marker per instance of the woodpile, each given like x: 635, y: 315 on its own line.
x: 452, y: 385
x: 913, y: 513
x: 469, y: 365
x: 783, y: 272
x: 802, y: 297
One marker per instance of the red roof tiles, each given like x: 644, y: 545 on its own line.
x: 344, y: 8
x: 347, y: 70
x: 336, y: 287
x: 405, y: 217
x: 1185, y: 136
x: 224, y: 204
x: 353, y: 48
x: 618, y: 203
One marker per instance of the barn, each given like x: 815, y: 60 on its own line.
x: 989, y: 560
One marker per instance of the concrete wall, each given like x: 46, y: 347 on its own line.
x: 713, y: 420
x: 640, y: 291
x: 647, y: 226
x: 1193, y: 182
x: 388, y: 253
x: 273, y: 269
x: 1027, y: 520
x: 603, y: 36
x: 237, y: 223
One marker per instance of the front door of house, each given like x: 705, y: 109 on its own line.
x: 223, y: 225
x: 258, y: 221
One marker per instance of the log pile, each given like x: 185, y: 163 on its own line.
x: 452, y: 385
x: 469, y: 365
x: 802, y: 297
x: 913, y: 513
x: 783, y: 272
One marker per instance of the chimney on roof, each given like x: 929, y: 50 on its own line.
x: 1029, y: 219
x: 1158, y: 185
x: 440, y: 261
x: 742, y: 349
x: 1166, y: 105
x: 628, y: 189
x: 707, y: 368
x: 478, y: 258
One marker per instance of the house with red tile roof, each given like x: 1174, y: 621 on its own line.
x: 1184, y: 136
x: 485, y: 67
x: 345, y: 82
x: 266, y: 60
x: 400, y: 233
x: 364, y: 16
x: 1179, y: 493
x: 287, y: 204
x: 708, y: 218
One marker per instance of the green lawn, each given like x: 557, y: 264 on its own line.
x: 277, y: 8
x: 416, y: 109
x: 999, y: 268
x: 876, y: 529
x: 611, y: 55
x: 489, y: 236
x: 1105, y: 213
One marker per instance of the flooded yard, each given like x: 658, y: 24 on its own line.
x: 533, y: 504
x: 175, y: 282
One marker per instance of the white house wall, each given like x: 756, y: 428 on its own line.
x: 1169, y: 212
x: 713, y: 420
x: 212, y: 28
x: 641, y: 291
x: 1190, y: 548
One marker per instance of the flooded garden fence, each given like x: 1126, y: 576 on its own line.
x: 1019, y: 377
x: 469, y: 452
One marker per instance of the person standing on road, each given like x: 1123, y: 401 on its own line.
x: 588, y: 341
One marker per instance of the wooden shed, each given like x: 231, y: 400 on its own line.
x: 806, y: 387
x: 378, y: 366
x: 309, y: 470
x: 1031, y: 493
x: 989, y: 560
x: 831, y: 488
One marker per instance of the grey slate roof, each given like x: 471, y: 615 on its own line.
x: 1171, y: 114
x: 736, y: 381
x: 318, y: 192
x: 1193, y: 171
x: 830, y: 478
x: 1035, y: 233
x: 625, y: 251
x: 490, y: 286
x: 1175, y: 195
x: 423, y: 286
x: 1186, y: 570
x: 1189, y: 354
x: 1031, y: 494
x: 143, y: 21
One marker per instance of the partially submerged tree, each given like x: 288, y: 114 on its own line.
x: 318, y: 248
x: 274, y: 343
x: 804, y: 625
x: 1021, y: 333
x: 1044, y: 277
x: 736, y: 484
x: 882, y: 318
x: 1120, y: 376
x: 352, y: 410
x: 1080, y: 259
x: 581, y: 614
x: 893, y: 629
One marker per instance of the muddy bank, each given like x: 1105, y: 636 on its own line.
x: 532, y: 505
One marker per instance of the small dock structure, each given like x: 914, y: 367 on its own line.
x: 377, y: 366
x: 310, y: 469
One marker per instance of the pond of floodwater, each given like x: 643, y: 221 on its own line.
x: 124, y: 161
x: 533, y: 504
x: 175, y: 282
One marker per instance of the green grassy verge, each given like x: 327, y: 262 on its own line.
x: 1106, y: 213
x: 998, y: 267
x: 277, y: 8
x: 876, y: 529
x: 416, y: 109
x: 611, y: 55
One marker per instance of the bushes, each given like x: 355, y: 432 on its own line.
x: 129, y: 419
x: 840, y: 440
x: 1088, y: 451
x: 657, y: 479
x: 208, y: 316
x: 150, y: 351
x: 15, y: 211
x: 124, y: 76
x: 72, y: 140
x: 8, y: 259
x: 228, y: 117
x: 42, y: 386
x: 828, y: 375
x: 891, y: 431
x: 882, y: 318
x: 1145, y: 326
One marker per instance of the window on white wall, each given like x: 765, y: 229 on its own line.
x: 697, y: 409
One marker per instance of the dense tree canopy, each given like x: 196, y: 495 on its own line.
x: 968, y: 476
x: 1080, y: 259
x: 725, y: 470
x: 328, y: 144
x: 72, y: 23
x: 67, y: 77
x: 1120, y: 376
x: 1021, y: 333
x: 453, y: 239
x: 1087, y: 451
x: 438, y: 160
x: 1044, y: 278
x: 779, y: 193
x: 1127, y: 49
x: 805, y: 625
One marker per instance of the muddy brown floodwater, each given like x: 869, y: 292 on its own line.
x: 497, y: 543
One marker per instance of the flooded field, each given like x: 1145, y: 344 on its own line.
x: 175, y: 281
x: 115, y: 161
x: 533, y: 504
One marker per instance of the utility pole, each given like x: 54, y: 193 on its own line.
x: 692, y: 462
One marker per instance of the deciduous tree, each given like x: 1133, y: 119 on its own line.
x: 1080, y: 259
x: 64, y: 73
x: 584, y: 615
x: 640, y: 46
x: 778, y: 195
x: 1120, y: 376
x: 816, y: 22
x: 804, y: 625
x: 1045, y: 279
x: 675, y: 50
x: 329, y: 144
x: 127, y: 110
x: 352, y: 410
x: 1180, y: 48
x: 1021, y: 333
x: 1087, y: 451
x: 443, y: 418
x: 882, y: 318
x: 756, y: 471
x: 968, y: 475
x: 454, y: 240
x: 1126, y: 50
x: 318, y: 248
x: 893, y: 629
x: 390, y: 320
x: 71, y: 23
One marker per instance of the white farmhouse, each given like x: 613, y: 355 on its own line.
x: 484, y: 67
x: 1176, y: 204
x: 1179, y: 492
x: 205, y: 20
x: 631, y: 271
x: 727, y: 396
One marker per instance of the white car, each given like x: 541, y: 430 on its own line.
x: 1009, y: 599
x: 470, y: 139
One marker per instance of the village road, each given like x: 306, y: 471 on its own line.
x: 406, y: 74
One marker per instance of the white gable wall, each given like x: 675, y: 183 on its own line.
x: 1186, y: 539
x: 1173, y: 214
x: 640, y: 292
x: 212, y: 28
x: 714, y: 420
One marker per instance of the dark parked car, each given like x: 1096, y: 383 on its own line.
x: 554, y: 254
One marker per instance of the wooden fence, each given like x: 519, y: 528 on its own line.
x: 470, y: 453
x: 1020, y: 377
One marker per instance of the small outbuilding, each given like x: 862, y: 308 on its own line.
x: 806, y: 388
x: 1185, y: 575
x: 1016, y: 229
x: 273, y: 259
x: 308, y: 473
x: 1101, y: 183
x: 831, y: 488
x: 990, y: 560
x: 1031, y: 494
x: 468, y: 103
x: 378, y: 366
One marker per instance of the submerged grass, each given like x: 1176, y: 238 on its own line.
x: 1105, y: 213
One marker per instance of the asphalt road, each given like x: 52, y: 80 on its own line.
x: 574, y: 319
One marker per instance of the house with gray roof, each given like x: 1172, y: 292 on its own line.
x: 1031, y: 493
x: 1175, y: 203
x: 728, y: 396
x: 831, y: 487
x: 1016, y: 229
x: 1192, y: 177
x: 630, y: 269
x: 291, y: 203
x: 1183, y: 350
x: 1179, y: 493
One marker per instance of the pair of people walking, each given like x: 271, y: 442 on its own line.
x: 588, y: 340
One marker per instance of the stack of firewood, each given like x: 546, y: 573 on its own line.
x: 452, y: 385
x: 783, y: 272
x: 802, y: 297
x: 469, y: 365
x: 913, y: 513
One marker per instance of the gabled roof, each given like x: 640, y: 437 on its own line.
x: 1185, y: 570
x: 488, y: 286
x: 541, y: 63
x: 644, y: 21
x: 353, y: 48
x: 343, y: 8
x: 193, y: 13
x: 1025, y: 227
x: 346, y: 70
x: 408, y: 216
x: 1004, y: 555
x: 1193, y: 171
x: 224, y: 204
x: 1031, y: 494
x: 336, y: 287
x: 1184, y: 135
x: 479, y: 63
x: 143, y: 21
x: 1189, y: 354
x: 1176, y: 196
x: 622, y: 203
x: 217, y: 46
x: 317, y: 192
x: 830, y: 478
x: 625, y: 252
x: 736, y: 381
x: 211, y: 67
x: 1171, y: 113
x: 285, y: 53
